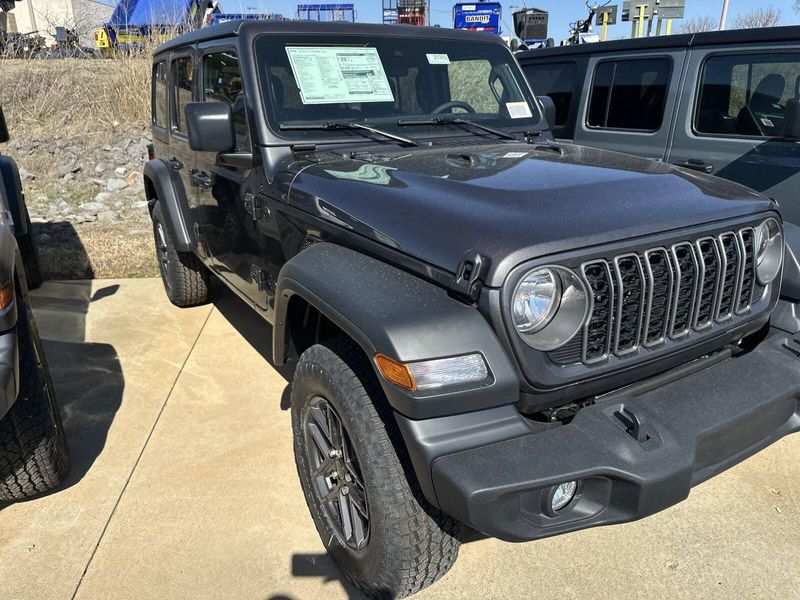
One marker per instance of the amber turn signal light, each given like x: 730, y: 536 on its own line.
x: 6, y: 295
x: 396, y: 372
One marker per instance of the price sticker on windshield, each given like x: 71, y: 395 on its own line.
x: 334, y: 75
x: 518, y: 110
x: 438, y: 59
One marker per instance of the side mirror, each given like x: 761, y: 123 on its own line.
x: 549, y: 109
x: 791, y: 120
x: 210, y: 126
x: 4, y: 135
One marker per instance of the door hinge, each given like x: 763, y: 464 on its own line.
x: 256, y: 207
x: 260, y: 278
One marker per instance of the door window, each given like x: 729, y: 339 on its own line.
x: 222, y: 82
x: 557, y: 81
x: 746, y: 94
x: 160, y: 94
x: 630, y: 94
x: 183, y: 69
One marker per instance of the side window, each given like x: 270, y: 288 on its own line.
x: 629, y: 94
x: 183, y: 74
x: 746, y: 94
x: 160, y: 112
x: 222, y: 82
x: 556, y: 80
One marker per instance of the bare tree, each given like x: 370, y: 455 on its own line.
x: 700, y: 24
x: 797, y: 5
x: 759, y: 18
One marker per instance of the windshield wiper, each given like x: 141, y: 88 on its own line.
x: 456, y: 121
x: 347, y: 125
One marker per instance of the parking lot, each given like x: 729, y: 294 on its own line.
x: 183, y: 483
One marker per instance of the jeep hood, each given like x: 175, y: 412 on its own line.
x: 510, y: 202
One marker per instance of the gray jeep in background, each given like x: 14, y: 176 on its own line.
x: 482, y: 326
x: 725, y: 103
x: 33, y: 449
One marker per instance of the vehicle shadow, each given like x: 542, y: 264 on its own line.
x: 322, y: 567
x: 256, y: 331
x: 87, y: 376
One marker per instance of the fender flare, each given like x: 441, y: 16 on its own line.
x: 168, y: 189
x: 790, y: 284
x: 389, y: 311
x: 11, y: 194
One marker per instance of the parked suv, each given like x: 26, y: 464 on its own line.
x: 726, y: 103
x: 486, y: 327
x: 33, y: 449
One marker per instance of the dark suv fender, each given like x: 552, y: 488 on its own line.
x: 11, y: 194
x: 389, y: 311
x: 163, y: 184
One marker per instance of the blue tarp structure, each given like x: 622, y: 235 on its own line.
x: 146, y: 13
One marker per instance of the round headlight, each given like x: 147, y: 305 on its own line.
x: 549, y: 307
x: 769, y: 251
x: 536, y: 299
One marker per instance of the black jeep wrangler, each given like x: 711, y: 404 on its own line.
x: 486, y: 327
x: 33, y: 449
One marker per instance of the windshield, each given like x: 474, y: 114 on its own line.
x: 389, y: 83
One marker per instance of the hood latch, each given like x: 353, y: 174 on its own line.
x: 468, y: 280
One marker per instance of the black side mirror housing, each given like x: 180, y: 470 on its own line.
x: 791, y: 120
x: 210, y: 127
x: 4, y: 135
x: 549, y: 109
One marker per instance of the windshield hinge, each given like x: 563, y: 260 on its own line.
x: 468, y: 280
x: 303, y: 150
x: 255, y: 207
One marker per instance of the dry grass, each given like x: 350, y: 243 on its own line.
x: 76, y: 98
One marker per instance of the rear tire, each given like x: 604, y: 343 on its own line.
x: 406, y: 544
x: 33, y: 447
x: 185, y: 277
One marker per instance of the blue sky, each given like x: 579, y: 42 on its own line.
x: 562, y: 12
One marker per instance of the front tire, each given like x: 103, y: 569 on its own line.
x: 353, y: 467
x: 33, y: 447
x: 185, y: 278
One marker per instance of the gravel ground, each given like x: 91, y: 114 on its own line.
x: 86, y: 201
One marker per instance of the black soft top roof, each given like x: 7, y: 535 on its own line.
x: 235, y: 28
x: 711, y: 38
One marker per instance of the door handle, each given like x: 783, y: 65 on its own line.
x: 202, y: 180
x: 696, y: 164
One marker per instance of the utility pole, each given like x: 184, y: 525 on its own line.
x: 724, y: 17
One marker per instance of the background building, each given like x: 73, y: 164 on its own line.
x: 43, y: 16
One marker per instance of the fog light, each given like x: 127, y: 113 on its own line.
x: 563, y: 495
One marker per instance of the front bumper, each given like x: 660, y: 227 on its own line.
x: 695, y: 422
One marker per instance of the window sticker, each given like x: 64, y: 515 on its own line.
x: 438, y: 59
x: 518, y: 110
x: 331, y: 74
x: 767, y: 122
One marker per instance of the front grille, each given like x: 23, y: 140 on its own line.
x: 642, y: 300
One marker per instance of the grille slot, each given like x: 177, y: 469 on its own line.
x: 659, y: 298
x: 729, y: 251
x: 685, y: 289
x: 597, y: 331
x: 642, y: 300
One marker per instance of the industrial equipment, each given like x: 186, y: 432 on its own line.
x: 326, y: 12
x: 480, y: 16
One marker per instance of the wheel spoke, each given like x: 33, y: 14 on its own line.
x: 324, y: 467
x: 320, y: 441
x: 344, y: 513
x: 358, y: 499
x: 359, y: 524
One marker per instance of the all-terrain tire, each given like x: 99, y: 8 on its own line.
x: 33, y: 447
x: 411, y: 544
x: 186, y: 279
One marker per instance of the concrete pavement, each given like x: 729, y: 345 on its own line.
x: 183, y: 483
